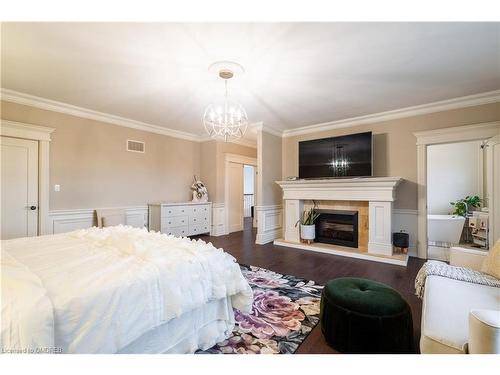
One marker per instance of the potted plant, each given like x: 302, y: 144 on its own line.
x: 462, y: 207
x: 307, y: 226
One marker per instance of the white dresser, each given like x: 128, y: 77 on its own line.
x: 180, y: 219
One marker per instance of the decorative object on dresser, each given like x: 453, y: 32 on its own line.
x: 200, y: 192
x: 180, y: 219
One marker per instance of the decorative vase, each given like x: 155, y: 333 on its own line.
x: 308, y: 232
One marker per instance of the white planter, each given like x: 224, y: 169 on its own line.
x: 307, y: 232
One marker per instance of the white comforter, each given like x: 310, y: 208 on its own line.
x: 103, y: 288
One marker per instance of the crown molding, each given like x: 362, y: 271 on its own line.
x: 266, y: 128
x: 245, y: 142
x: 52, y: 105
x: 443, y: 105
x: 241, y: 141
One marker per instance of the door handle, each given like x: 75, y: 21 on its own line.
x: 32, y: 208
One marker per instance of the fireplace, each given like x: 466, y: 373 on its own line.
x: 337, y: 227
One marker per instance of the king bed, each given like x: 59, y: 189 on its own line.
x: 117, y: 290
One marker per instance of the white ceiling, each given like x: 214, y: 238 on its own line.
x: 296, y: 74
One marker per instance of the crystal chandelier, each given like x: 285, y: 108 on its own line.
x: 227, y: 118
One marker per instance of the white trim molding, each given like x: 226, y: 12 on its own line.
x: 61, y: 221
x: 26, y: 131
x: 458, y: 133
x: 440, y: 106
x: 42, y: 135
x: 73, y: 110
x: 69, y: 109
x: 269, y: 223
x: 464, y: 133
x: 266, y: 128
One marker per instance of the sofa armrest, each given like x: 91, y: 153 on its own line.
x: 468, y: 258
x: 484, y: 332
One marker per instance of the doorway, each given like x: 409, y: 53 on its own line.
x: 456, y: 197
x: 19, y: 193
x: 488, y: 136
x: 240, y: 192
x: 249, y: 187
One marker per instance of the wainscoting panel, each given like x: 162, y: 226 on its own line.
x: 406, y: 220
x: 269, y: 223
x: 218, y: 220
x: 61, y: 221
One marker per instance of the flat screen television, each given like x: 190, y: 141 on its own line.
x: 344, y: 156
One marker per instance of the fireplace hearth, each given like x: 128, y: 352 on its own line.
x: 339, y: 227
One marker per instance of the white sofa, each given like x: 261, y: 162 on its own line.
x: 457, y: 316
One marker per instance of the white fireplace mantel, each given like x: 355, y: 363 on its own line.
x: 379, y: 192
x: 354, y: 189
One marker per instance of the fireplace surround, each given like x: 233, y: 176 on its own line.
x: 338, y: 227
x: 378, y: 192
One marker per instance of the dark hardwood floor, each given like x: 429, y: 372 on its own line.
x: 321, y: 268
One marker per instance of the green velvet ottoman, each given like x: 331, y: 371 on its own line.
x: 364, y: 316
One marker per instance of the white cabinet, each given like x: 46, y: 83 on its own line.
x: 180, y: 219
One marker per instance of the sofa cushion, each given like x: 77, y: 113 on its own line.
x: 491, y: 264
x: 445, y: 312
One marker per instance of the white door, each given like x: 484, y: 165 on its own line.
x: 19, y: 188
x: 235, y: 195
x: 493, y: 181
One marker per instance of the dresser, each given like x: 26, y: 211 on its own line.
x: 180, y: 219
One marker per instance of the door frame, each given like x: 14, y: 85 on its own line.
x: 41, y: 134
x: 239, y: 159
x: 464, y: 133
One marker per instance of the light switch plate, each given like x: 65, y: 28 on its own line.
x: 57, y: 187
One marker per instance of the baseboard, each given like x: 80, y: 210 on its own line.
x: 61, y: 221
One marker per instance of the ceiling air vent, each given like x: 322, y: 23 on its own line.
x: 135, y: 146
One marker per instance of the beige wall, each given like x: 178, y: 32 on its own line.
x: 208, y: 168
x: 90, y: 162
x: 394, y: 149
x: 269, y: 170
x: 213, y: 165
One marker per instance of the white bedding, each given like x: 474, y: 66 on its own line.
x: 104, y: 288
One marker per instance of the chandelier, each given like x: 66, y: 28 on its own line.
x: 226, y: 118
x: 340, y: 161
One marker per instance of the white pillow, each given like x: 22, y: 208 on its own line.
x: 484, y: 332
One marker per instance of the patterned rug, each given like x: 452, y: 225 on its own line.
x: 285, y: 310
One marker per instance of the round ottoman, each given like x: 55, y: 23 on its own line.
x: 364, y: 316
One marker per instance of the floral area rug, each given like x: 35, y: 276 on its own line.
x: 285, y: 310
